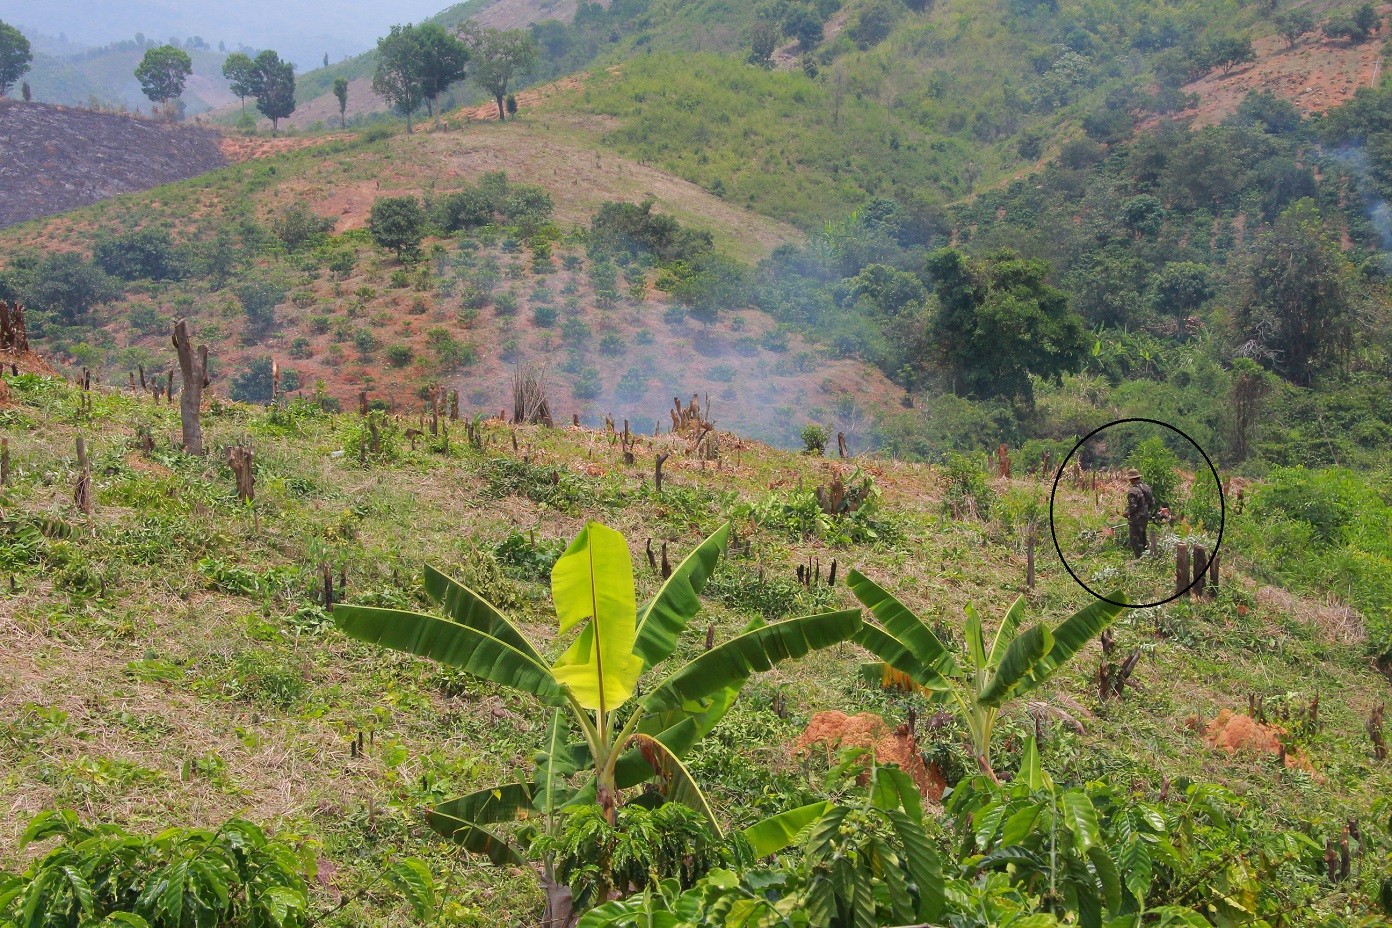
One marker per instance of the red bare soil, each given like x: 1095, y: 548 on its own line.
x: 1316, y: 75
x: 1242, y: 734
x: 836, y: 730
x: 239, y: 148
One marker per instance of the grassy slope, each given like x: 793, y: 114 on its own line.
x: 138, y: 684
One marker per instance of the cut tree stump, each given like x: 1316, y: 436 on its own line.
x: 1181, y: 580
x: 82, y: 494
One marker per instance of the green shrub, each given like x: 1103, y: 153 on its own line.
x: 967, y: 485
x: 1159, y: 467
x: 814, y: 439
x: 400, y: 355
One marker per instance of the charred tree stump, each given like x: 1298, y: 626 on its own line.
x: 666, y: 564
x: 82, y: 494
x: 240, y: 458
x: 193, y: 365
x: 1214, y: 570
x: 1374, y: 727
x: 1029, y: 561
x: 4, y: 462
x: 841, y: 448
x: 13, y: 336
x: 362, y: 402
x: 454, y: 405
x: 1181, y: 577
x: 657, y: 472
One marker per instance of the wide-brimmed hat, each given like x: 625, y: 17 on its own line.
x: 1133, y: 474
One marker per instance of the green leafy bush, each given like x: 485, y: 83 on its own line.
x: 233, y: 877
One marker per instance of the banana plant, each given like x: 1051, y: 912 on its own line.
x: 913, y: 657
x: 591, y: 688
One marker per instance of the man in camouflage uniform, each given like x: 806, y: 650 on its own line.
x: 1140, y: 503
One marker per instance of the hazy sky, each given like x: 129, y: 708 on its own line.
x: 302, y: 30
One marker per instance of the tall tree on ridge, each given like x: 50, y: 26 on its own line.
x: 162, y: 73
x: 341, y: 92
x: 442, y: 63
x: 497, y: 56
x: 240, y: 72
x: 398, y: 75
x: 15, y: 56
x: 274, y: 83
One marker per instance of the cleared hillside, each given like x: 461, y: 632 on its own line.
x: 338, y: 329
x: 167, y: 660
x: 54, y: 159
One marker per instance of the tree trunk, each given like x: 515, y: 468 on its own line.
x: 409, y: 129
x: 560, y: 908
x: 193, y: 365
x: 502, y: 113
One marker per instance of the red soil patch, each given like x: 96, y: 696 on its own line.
x: 1242, y: 734
x: 527, y: 99
x: 837, y: 730
x: 1316, y: 75
x: 351, y: 203
x: 238, y: 148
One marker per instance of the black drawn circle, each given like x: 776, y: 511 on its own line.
x: 1222, y: 509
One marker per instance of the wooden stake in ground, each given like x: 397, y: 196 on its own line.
x: 82, y: 495
x: 841, y: 448
x: 4, y: 462
x: 193, y: 365
x: 1214, y: 573
x: 1181, y: 578
x: 1029, y: 560
x: 1200, y: 571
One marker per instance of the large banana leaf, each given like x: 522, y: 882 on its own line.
x: 1076, y: 631
x: 679, y: 785
x: 976, y: 644
x: 593, y: 583
x: 735, y: 661
x: 777, y: 832
x: 900, y: 621
x: 469, y: 608
x: 469, y: 649
x: 462, y: 820
x: 665, y: 617
x: 1021, y: 656
x: 898, y: 655
x: 1006, y: 633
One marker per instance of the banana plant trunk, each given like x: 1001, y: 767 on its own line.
x: 560, y: 907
